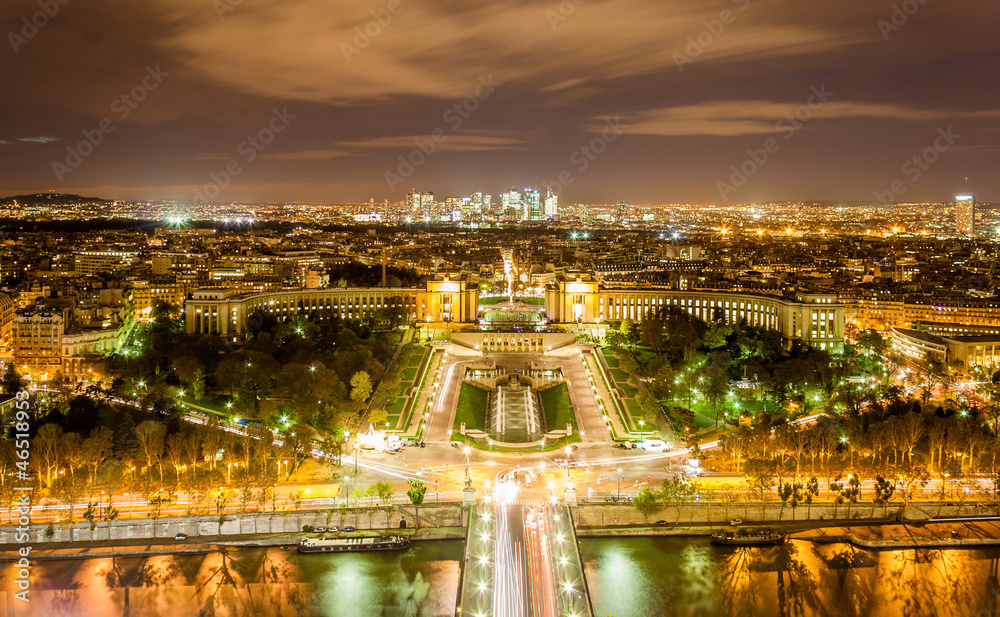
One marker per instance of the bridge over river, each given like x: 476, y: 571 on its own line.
x: 522, y: 560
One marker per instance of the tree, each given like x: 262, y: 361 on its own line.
x: 68, y: 490
x: 12, y: 382
x: 677, y: 491
x: 333, y: 445
x: 198, y: 386
x: 884, y: 490
x: 647, y: 502
x: 299, y: 441
x: 790, y: 493
x: 383, y: 491
x: 716, y: 388
x: 652, y: 332
x: 46, y: 444
x: 848, y: 493
x: 736, y: 444
x: 629, y: 330
x: 361, y: 387
x: 151, y: 436
x: 416, y: 493
x: 649, y: 405
x: 760, y: 473
x: 662, y: 383
x: 627, y: 361
x: 872, y: 342
x: 187, y: 369
x: 97, y: 448
x: 909, y: 479
x: 377, y: 416
x: 811, y: 490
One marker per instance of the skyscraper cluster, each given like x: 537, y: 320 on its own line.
x: 514, y: 205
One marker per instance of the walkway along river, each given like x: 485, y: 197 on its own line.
x: 639, y: 576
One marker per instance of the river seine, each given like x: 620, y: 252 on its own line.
x: 627, y: 577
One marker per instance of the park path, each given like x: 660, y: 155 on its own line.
x: 589, y: 416
x: 609, y: 399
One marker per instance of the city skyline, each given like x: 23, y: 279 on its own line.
x: 731, y: 102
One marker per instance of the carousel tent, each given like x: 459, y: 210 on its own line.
x: 372, y: 440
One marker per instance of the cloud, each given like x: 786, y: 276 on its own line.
x: 30, y: 140
x: 466, y: 141
x: 439, y: 49
x: 308, y: 155
x: 756, y: 117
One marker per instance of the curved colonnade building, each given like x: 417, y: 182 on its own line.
x: 815, y: 319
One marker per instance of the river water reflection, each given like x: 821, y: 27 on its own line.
x: 421, y: 581
x: 689, y: 577
x: 647, y: 577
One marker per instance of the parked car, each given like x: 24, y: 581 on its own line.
x: 320, y: 529
x: 423, y: 444
x: 349, y: 529
x: 736, y: 521
x: 333, y: 529
x: 661, y: 523
x: 454, y: 444
x: 181, y: 536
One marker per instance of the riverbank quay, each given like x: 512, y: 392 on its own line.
x: 169, y: 546
x: 874, y: 535
x: 930, y: 534
x: 253, y: 524
x: 673, y: 530
x: 610, y: 515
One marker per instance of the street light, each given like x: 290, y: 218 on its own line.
x: 468, y: 472
x: 619, y: 484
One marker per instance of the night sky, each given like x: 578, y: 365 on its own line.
x: 689, y: 86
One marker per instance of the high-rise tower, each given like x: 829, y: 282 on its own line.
x: 965, y: 214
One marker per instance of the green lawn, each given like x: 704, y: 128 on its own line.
x: 701, y: 422
x: 523, y: 300
x: 619, y: 375
x: 396, y: 407
x: 557, y: 407
x: 632, y: 406
x: 550, y: 446
x: 471, y: 407
x: 611, y: 361
x: 415, y: 357
x: 409, y: 375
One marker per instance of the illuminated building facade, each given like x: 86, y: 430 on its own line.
x: 904, y: 312
x: 965, y: 215
x: 532, y: 205
x: 551, y: 204
x: 814, y: 319
x: 967, y: 351
x: 220, y: 311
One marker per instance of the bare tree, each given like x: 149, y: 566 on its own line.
x: 46, y: 444
x: 151, y: 435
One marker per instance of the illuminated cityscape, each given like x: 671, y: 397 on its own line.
x: 570, y: 309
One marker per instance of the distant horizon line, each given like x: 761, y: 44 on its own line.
x: 815, y: 202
